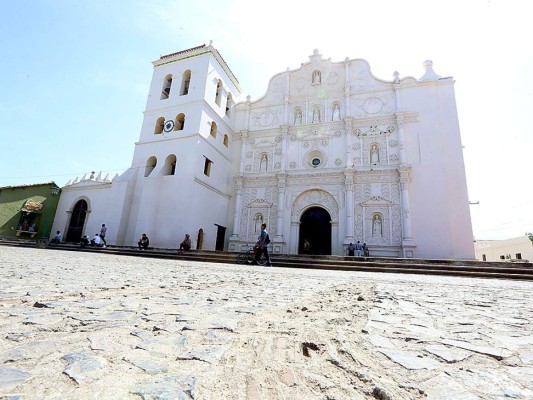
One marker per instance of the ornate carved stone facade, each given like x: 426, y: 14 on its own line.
x: 337, y: 134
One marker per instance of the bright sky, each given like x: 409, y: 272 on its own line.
x: 74, y: 77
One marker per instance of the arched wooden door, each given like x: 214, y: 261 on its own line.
x: 77, y: 222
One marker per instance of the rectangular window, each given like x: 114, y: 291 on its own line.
x: 518, y: 256
x: 207, y: 166
x: 484, y: 257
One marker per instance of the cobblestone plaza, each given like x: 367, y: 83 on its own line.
x: 78, y: 325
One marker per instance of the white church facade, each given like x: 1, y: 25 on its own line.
x: 330, y: 154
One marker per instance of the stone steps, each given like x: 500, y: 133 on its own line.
x: 466, y: 268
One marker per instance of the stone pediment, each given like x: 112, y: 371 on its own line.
x: 257, y: 203
x: 376, y: 201
x: 264, y: 142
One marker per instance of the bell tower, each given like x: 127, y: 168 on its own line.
x: 184, y: 153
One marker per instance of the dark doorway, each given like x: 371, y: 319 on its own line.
x: 221, y: 233
x: 77, y: 221
x: 315, y: 226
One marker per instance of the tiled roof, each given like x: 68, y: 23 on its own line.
x: 30, y: 185
x: 182, y: 52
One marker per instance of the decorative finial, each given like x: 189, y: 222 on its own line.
x: 92, y: 175
x: 210, y: 43
x: 315, y: 52
x: 396, y: 76
x: 430, y: 75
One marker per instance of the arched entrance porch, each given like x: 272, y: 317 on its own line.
x: 315, y: 209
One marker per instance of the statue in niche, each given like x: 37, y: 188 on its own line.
x: 374, y: 154
x: 316, y: 115
x: 298, y: 117
x: 257, y: 223
x: 336, y: 113
x: 263, y: 163
x: 316, y: 77
x: 377, y: 226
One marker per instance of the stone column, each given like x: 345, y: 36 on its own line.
x: 287, y: 111
x: 335, y: 238
x: 244, y: 138
x: 406, y: 213
x: 348, y: 183
x: 404, y: 169
x: 401, y: 139
x: 295, y: 226
x: 248, y: 108
x: 347, y: 87
x: 281, y: 206
x: 284, y: 136
x: 238, y: 206
x: 348, y: 131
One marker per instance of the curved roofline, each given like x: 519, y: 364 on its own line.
x: 303, y: 65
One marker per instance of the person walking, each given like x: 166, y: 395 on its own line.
x: 103, y: 231
x: 262, y: 246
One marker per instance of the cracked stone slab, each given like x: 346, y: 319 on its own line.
x: 410, y: 361
x: 83, y: 366
x: 442, y: 387
x: 10, y: 377
x: 163, y: 346
x: 143, y: 361
x: 451, y: 355
x: 170, y: 388
x: 12, y: 355
x: 496, y: 353
x: 206, y: 354
x: 381, y: 341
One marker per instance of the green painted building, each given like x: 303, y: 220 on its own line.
x: 27, y: 211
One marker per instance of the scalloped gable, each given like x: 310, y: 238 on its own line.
x: 318, y: 76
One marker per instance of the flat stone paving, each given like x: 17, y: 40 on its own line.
x: 79, y: 325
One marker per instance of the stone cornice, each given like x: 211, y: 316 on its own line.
x: 208, y: 186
